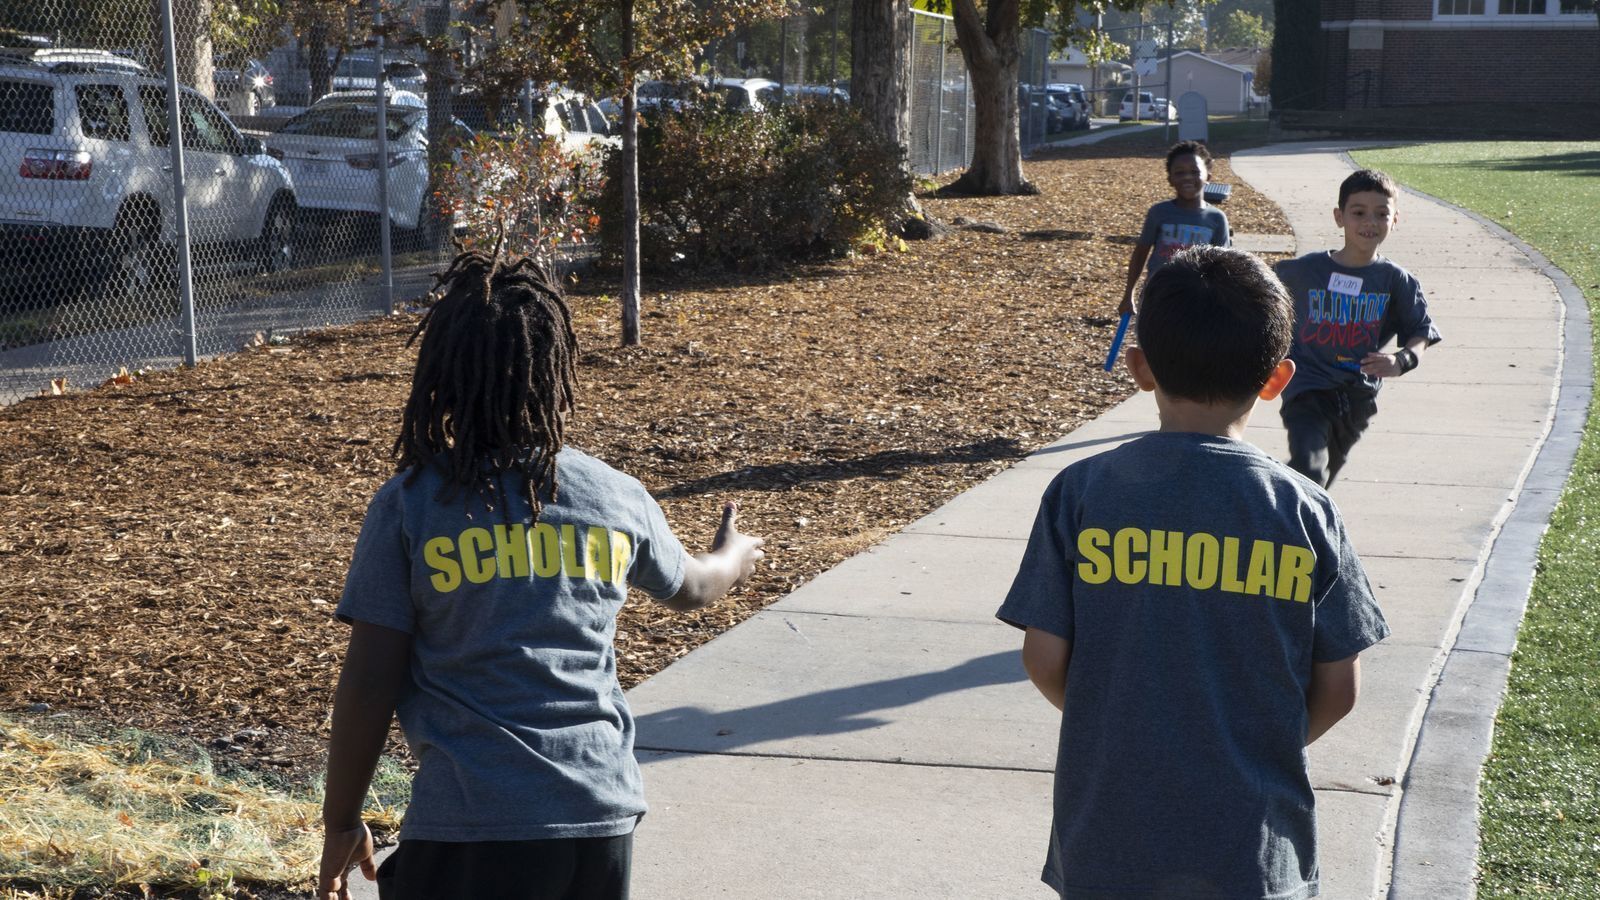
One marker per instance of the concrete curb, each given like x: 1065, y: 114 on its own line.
x: 1436, y: 829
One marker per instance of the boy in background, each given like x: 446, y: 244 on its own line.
x: 1195, y: 610
x: 482, y: 600
x: 1186, y: 220
x: 1349, y: 303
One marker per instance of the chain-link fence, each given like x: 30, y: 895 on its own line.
x: 168, y: 195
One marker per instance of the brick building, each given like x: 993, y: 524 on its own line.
x: 1384, y: 53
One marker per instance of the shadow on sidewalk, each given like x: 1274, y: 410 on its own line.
x: 835, y: 711
x: 886, y: 464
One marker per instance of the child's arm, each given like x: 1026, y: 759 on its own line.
x: 1046, y: 656
x: 732, y: 559
x: 1389, y: 365
x: 1141, y: 255
x: 375, y: 669
x: 1332, y: 694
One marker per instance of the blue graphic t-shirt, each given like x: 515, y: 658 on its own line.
x: 1197, y: 580
x: 513, y: 710
x: 1342, y: 313
x: 1170, y: 228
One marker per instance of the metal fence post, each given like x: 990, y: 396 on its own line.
x: 385, y: 246
x: 1166, y: 110
x: 938, y: 110
x: 180, y: 200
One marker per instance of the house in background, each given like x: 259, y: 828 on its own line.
x: 1224, y: 83
x: 1378, y: 53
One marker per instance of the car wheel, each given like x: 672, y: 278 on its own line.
x: 135, y: 261
x: 277, y: 238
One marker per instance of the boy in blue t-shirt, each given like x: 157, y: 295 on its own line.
x: 1348, y: 304
x: 482, y: 600
x: 1194, y: 609
x: 1186, y: 220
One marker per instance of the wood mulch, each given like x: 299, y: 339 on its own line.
x: 173, y: 548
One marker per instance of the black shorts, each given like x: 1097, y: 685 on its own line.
x: 555, y: 869
x: 1323, y: 425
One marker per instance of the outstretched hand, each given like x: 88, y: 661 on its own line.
x: 743, y: 549
x: 342, y: 850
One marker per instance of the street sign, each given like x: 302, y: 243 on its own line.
x: 1145, y: 67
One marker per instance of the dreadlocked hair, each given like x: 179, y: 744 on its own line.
x: 494, y: 380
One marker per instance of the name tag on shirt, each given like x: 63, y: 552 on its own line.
x: 1344, y: 285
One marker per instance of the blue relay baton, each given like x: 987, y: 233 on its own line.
x: 1116, y: 342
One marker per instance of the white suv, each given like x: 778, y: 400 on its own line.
x: 86, y: 174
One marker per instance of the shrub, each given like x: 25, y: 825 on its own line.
x: 724, y: 189
x: 520, y: 184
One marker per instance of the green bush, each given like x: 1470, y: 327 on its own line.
x: 723, y: 189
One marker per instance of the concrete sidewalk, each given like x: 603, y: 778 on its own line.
x: 873, y: 735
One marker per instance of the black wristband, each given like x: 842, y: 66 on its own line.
x: 1407, y: 359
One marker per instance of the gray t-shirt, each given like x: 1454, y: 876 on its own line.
x: 1342, y: 313
x: 513, y: 711
x: 1197, y: 580
x: 1169, y: 228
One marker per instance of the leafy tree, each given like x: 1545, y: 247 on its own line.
x: 608, y: 45
x: 1240, y: 29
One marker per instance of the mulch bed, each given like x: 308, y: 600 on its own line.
x: 173, y: 548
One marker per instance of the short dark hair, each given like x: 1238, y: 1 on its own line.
x: 1184, y: 147
x: 495, y: 380
x: 1213, y: 324
x: 1367, y: 180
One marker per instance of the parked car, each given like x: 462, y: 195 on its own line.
x: 358, y: 71
x: 86, y: 178
x: 1150, y: 107
x: 396, y: 98
x: 744, y: 94
x: 1074, y: 101
x: 578, y: 122
x: 331, y: 150
x: 243, y: 89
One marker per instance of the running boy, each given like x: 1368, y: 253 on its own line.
x: 483, y: 598
x: 1184, y: 221
x: 1348, y: 304
x: 1194, y: 609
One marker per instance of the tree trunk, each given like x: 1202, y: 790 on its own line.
x: 880, y: 87
x: 880, y: 55
x: 993, y: 55
x: 192, y: 38
x: 630, y: 188
x: 318, y: 66
x: 441, y: 80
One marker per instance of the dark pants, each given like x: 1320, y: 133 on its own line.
x: 1323, y: 425
x: 557, y: 869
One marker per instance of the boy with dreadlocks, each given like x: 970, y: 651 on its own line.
x: 483, y: 597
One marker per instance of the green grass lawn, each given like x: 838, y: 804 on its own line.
x: 1540, y: 813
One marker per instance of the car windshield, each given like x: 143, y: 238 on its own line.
x: 351, y: 121
x: 358, y: 67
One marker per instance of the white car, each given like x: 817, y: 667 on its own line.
x: 405, y: 99
x: 86, y: 174
x: 1150, y: 107
x: 331, y: 150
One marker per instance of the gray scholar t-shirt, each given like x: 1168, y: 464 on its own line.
x: 1342, y: 313
x: 1170, y: 228
x: 513, y: 711
x: 1197, y: 580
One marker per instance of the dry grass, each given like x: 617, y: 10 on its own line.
x: 133, y: 810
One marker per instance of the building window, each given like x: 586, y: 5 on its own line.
x: 1524, y: 10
